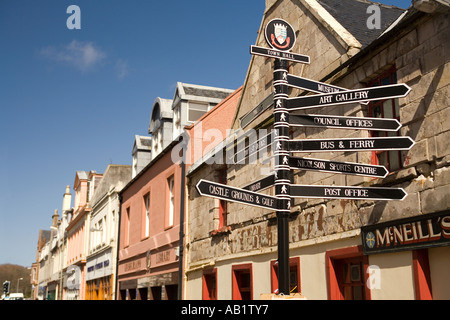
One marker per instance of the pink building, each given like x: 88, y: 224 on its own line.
x: 84, y: 186
x: 150, y: 251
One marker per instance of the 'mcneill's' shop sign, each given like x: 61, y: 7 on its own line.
x: 406, y: 234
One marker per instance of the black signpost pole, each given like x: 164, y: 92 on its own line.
x: 282, y: 171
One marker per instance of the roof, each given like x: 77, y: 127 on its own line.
x: 186, y: 91
x: 354, y: 15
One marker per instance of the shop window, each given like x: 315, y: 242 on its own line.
x: 123, y: 295
x: 156, y: 293
x: 171, y: 291
x: 386, y: 109
x: 242, y: 282
x: 143, y: 293
x: 209, y: 284
x: 347, y: 274
x: 132, y: 294
x: 294, y: 275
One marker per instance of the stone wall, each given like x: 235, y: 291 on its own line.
x: 420, y: 55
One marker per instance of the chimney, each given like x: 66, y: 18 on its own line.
x: 67, y: 199
x: 55, y: 219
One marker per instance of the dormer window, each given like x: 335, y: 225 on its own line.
x: 177, y: 121
x: 196, y: 110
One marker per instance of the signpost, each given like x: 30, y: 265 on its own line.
x: 224, y: 192
x: 314, y: 86
x: 351, y: 144
x: 253, y: 149
x: 357, y: 193
x: 261, y: 184
x: 338, y: 167
x: 259, y: 109
x: 272, y: 53
x: 367, y: 94
x: 339, y: 122
x: 280, y: 36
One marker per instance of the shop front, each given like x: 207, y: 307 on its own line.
x: 99, y: 277
x: 409, y: 258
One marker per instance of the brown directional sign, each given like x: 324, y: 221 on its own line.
x: 259, y: 109
x: 314, y: 86
x: 357, y: 193
x: 351, y: 144
x: 338, y: 122
x: 224, y: 192
x: 252, y: 149
x: 338, y: 167
x: 261, y: 184
x: 272, y: 53
x: 350, y: 96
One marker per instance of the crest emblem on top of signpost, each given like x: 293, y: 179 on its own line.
x: 280, y: 35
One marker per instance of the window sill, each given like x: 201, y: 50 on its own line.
x: 221, y: 231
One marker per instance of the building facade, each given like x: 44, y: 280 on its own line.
x: 151, y: 210
x: 51, y: 256
x: 101, y: 258
x: 77, y: 235
x: 330, y: 239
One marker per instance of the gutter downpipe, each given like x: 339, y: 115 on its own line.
x: 116, y: 283
x: 182, y: 205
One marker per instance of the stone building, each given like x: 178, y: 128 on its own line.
x: 103, y: 225
x: 339, y: 248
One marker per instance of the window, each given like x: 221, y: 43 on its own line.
x: 157, y: 141
x: 176, y: 121
x: 242, y: 282
x: 170, y: 183
x: 171, y: 291
x: 386, y: 109
x: 127, y: 228
x: 294, y: 275
x: 196, y: 110
x: 156, y: 293
x: 209, y: 284
x: 147, y: 215
x: 347, y: 274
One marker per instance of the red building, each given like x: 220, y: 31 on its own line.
x: 151, y: 211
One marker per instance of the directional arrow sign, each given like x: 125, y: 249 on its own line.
x: 260, y: 146
x: 259, y: 109
x: 314, y: 86
x: 367, y: 94
x: 338, y: 167
x: 266, y: 52
x: 261, y: 184
x: 224, y: 192
x: 359, y: 193
x: 349, y: 144
x: 338, y: 122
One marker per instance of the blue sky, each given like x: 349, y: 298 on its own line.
x: 74, y: 99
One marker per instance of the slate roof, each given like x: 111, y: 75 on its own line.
x: 353, y: 16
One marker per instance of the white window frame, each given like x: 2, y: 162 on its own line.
x: 171, y: 201
x: 147, y: 214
